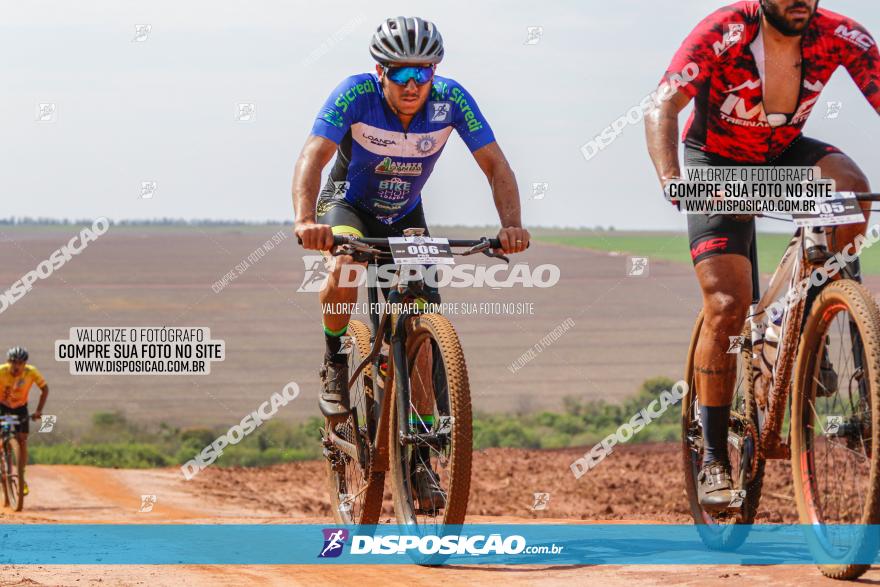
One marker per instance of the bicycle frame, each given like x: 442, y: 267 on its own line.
x: 8, y: 427
x: 392, y: 328
x: 396, y: 333
x: 790, y: 271
x: 807, y: 249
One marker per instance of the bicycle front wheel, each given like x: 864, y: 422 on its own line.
x: 834, y: 423
x: 436, y: 448
x: 14, y: 475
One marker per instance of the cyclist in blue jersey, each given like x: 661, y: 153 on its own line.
x: 387, y: 130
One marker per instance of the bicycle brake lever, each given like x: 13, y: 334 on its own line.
x: 492, y: 253
x: 480, y: 248
x: 359, y: 254
x: 343, y: 250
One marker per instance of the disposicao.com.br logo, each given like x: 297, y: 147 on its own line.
x: 393, y: 544
x: 334, y: 541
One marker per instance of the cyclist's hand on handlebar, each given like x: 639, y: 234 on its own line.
x: 316, y: 237
x: 667, y: 192
x: 514, y: 239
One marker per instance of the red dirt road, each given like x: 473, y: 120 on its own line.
x: 627, y: 486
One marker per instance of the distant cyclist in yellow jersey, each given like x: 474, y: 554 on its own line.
x: 16, y: 379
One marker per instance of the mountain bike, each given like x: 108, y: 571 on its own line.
x: 407, y: 351
x: 11, y: 472
x: 807, y: 389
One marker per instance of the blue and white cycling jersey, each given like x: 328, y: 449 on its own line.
x: 380, y: 168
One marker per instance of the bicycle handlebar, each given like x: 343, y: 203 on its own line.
x: 338, y: 240
x: 366, y: 246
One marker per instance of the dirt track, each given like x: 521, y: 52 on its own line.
x: 626, y: 487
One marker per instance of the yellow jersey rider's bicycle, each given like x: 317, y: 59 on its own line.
x: 11, y: 471
x: 16, y: 380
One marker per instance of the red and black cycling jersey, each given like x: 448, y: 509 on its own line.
x: 727, y: 47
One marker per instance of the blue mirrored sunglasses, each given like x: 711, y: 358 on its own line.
x: 419, y: 73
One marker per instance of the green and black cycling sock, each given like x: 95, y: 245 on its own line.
x: 333, y: 340
x: 421, y: 424
x: 715, y: 420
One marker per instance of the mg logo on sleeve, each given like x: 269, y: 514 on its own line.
x: 858, y: 38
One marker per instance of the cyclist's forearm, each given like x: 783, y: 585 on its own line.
x: 506, y: 195
x: 306, y: 185
x: 316, y: 153
x: 661, y: 131
x: 44, y: 395
x: 501, y: 179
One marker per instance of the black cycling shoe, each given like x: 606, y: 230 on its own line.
x: 333, y: 400
x: 827, y: 376
x: 426, y: 488
x: 715, y: 487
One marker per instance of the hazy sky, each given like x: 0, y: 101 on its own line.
x: 164, y: 109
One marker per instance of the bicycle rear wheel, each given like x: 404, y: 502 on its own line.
x: 14, y: 475
x: 834, y: 420
x: 355, y: 489
x: 443, y: 439
x: 728, y: 530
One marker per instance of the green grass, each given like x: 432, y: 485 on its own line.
x: 113, y: 441
x: 674, y: 247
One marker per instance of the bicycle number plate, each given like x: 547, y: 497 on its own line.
x: 420, y: 250
x: 843, y: 209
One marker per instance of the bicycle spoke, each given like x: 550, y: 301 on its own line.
x: 843, y: 456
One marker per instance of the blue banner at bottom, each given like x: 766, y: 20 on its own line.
x: 508, y: 544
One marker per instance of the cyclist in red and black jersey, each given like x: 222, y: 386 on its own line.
x: 761, y: 68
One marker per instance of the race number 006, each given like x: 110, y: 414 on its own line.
x: 423, y: 250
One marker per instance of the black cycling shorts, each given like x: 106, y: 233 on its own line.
x: 721, y: 234
x: 23, y: 416
x: 345, y: 218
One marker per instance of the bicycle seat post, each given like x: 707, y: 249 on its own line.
x: 816, y: 245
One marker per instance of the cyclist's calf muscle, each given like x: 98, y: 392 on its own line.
x: 725, y: 281
x: 334, y: 296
